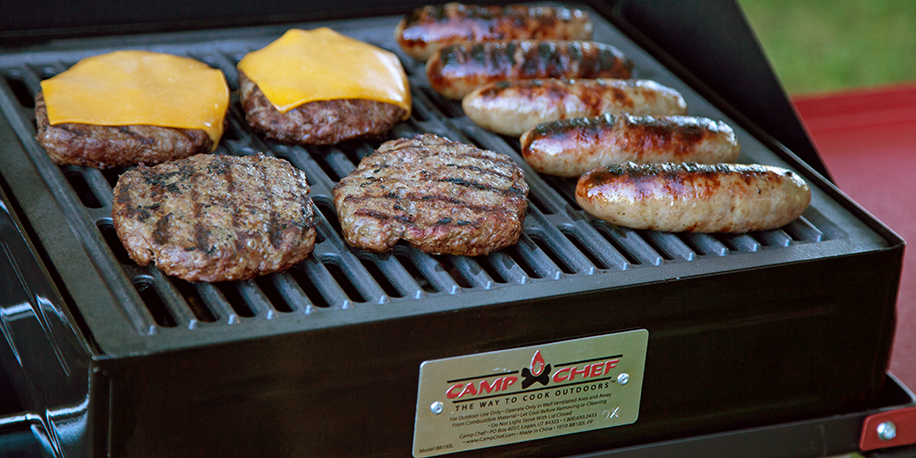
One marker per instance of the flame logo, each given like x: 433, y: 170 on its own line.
x: 537, y: 364
x: 537, y: 371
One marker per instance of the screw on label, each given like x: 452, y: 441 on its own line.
x: 623, y: 378
x: 436, y: 408
x: 887, y: 430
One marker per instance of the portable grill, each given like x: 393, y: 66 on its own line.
x: 757, y: 332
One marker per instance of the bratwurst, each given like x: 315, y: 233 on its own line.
x: 571, y: 147
x: 458, y: 69
x: 732, y: 198
x: 431, y: 27
x: 512, y: 107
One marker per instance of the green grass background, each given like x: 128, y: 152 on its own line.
x: 818, y: 46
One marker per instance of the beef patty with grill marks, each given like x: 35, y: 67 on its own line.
x: 441, y: 196
x: 213, y: 217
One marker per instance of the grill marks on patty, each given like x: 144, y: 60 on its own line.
x: 441, y: 196
x: 215, y: 217
x: 436, y: 170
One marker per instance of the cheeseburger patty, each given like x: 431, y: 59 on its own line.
x: 113, y: 146
x: 317, y: 123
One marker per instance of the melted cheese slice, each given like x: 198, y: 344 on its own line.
x: 321, y: 64
x: 139, y: 87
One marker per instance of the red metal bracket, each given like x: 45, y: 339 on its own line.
x: 892, y: 428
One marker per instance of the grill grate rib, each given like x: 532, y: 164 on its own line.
x: 559, y: 239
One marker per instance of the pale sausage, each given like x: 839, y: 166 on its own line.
x: 512, y: 107
x: 572, y: 147
x: 694, y: 197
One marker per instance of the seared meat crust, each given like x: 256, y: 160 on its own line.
x: 438, y: 195
x: 456, y: 70
x: 317, y: 123
x: 113, y: 146
x: 431, y: 27
x: 214, y: 217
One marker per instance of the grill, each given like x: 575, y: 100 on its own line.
x: 117, y: 359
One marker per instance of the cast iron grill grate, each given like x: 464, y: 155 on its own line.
x: 559, y: 239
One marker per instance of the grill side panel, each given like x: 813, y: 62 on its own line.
x: 352, y: 392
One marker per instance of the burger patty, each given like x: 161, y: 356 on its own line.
x: 112, y: 146
x: 213, y: 217
x: 317, y: 123
x: 438, y: 195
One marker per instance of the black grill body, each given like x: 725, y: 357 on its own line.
x: 112, y: 359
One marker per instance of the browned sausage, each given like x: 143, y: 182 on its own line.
x: 694, y: 197
x: 431, y: 27
x: 512, y: 107
x: 458, y: 69
x: 571, y: 147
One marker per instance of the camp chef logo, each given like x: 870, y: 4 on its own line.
x: 536, y: 371
x: 537, y: 374
x: 521, y: 394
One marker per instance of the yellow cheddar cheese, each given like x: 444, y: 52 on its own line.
x: 139, y: 88
x: 321, y: 64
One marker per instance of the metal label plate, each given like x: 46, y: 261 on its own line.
x: 508, y: 396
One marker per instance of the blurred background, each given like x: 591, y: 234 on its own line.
x: 849, y: 67
x: 820, y: 46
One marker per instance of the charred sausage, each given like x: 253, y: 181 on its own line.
x: 512, y: 107
x: 571, y: 147
x: 458, y: 69
x: 431, y: 27
x: 694, y: 197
